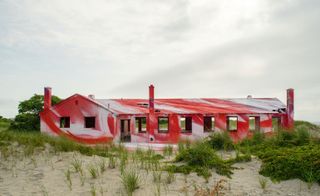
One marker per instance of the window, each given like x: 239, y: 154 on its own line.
x: 141, y: 124
x: 254, y: 123
x: 90, y: 122
x: 275, y: 123
x: 186, y: 124
x: 163, y: 124
x: 65, y: 122
x: 232, y: 123
x: 208, y: 123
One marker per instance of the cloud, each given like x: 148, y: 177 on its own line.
x: 186, y: 48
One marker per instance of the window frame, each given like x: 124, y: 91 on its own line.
x: 168, y: 124
x: 256, y: 123
x: 138, y: 121
x: 187, y: 124
x: 66, y: 119
x: 86, y: 122
x: 212, y: 124
x: 228, y: 123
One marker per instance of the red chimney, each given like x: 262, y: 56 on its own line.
x: 47, y: 97
x: 151, y: 97
x: 152, y: 121
x: 290, y: 107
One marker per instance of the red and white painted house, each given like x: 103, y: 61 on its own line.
x: 161, y: 121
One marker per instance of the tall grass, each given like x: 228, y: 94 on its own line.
x: 77, y: 165
x: 168, y: 150
x: 68, y: 178
x: 32, y: 140
x: 102, y: 165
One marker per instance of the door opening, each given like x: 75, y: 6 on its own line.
x: 125, y: 130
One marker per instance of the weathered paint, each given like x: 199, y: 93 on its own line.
x: 108, y: 114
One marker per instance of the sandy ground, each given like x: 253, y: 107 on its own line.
x: 44, y: 174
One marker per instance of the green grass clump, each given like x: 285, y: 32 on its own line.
x: 102, y: 165
x: 93, y: 170
x: 130, y: 180
x: 263, y: 182
x: 77, y: 165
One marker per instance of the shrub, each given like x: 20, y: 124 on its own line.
x: 221, y: 141
x: 200, y: 156
x: 289, y: 163
x: 258, y: 137
x: 303, y: 135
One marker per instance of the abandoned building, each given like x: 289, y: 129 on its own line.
x: 161, y: 121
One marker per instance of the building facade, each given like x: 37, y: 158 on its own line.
x: 89, y: 120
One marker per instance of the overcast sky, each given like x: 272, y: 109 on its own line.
x: 200, y: 48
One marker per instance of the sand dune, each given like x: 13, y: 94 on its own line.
x: 44, y: 173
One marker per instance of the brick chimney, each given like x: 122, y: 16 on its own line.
x: 290, y: 108
x: 47, y: 98
x: 151, y: 97
x: 152, y: 121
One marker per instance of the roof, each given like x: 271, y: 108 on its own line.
x: 195, y: 105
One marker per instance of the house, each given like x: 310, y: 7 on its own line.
x: 160, y: 121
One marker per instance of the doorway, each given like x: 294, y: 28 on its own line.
x: 125, y: 130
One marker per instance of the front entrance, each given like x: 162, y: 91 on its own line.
x: 125, y: 130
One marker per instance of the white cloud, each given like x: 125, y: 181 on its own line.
x: 187, y: 48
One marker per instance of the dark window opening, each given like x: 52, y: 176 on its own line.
x: 186, y: 124
x: 254, y: 123
x: 275, y: 123
x: 208, y: 123
x: 141, y: 124
x: 232, y: 123
x: 65, y: 122
x: 90, y: 122
x: 163, y: 124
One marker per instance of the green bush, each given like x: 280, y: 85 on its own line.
x: 302, y: 162
x: 221, y: 141
x: 287, y: 154
x: 258, y: 137
x: 201, y: 156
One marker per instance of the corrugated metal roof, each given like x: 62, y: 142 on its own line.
x: 195, y: 105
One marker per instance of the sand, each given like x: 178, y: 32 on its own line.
x: 43, y: 173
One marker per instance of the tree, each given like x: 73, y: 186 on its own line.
x: 28, y: 118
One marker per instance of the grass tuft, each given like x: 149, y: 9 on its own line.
x: 130, y: 180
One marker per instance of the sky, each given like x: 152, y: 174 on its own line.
x: 187, y: 49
